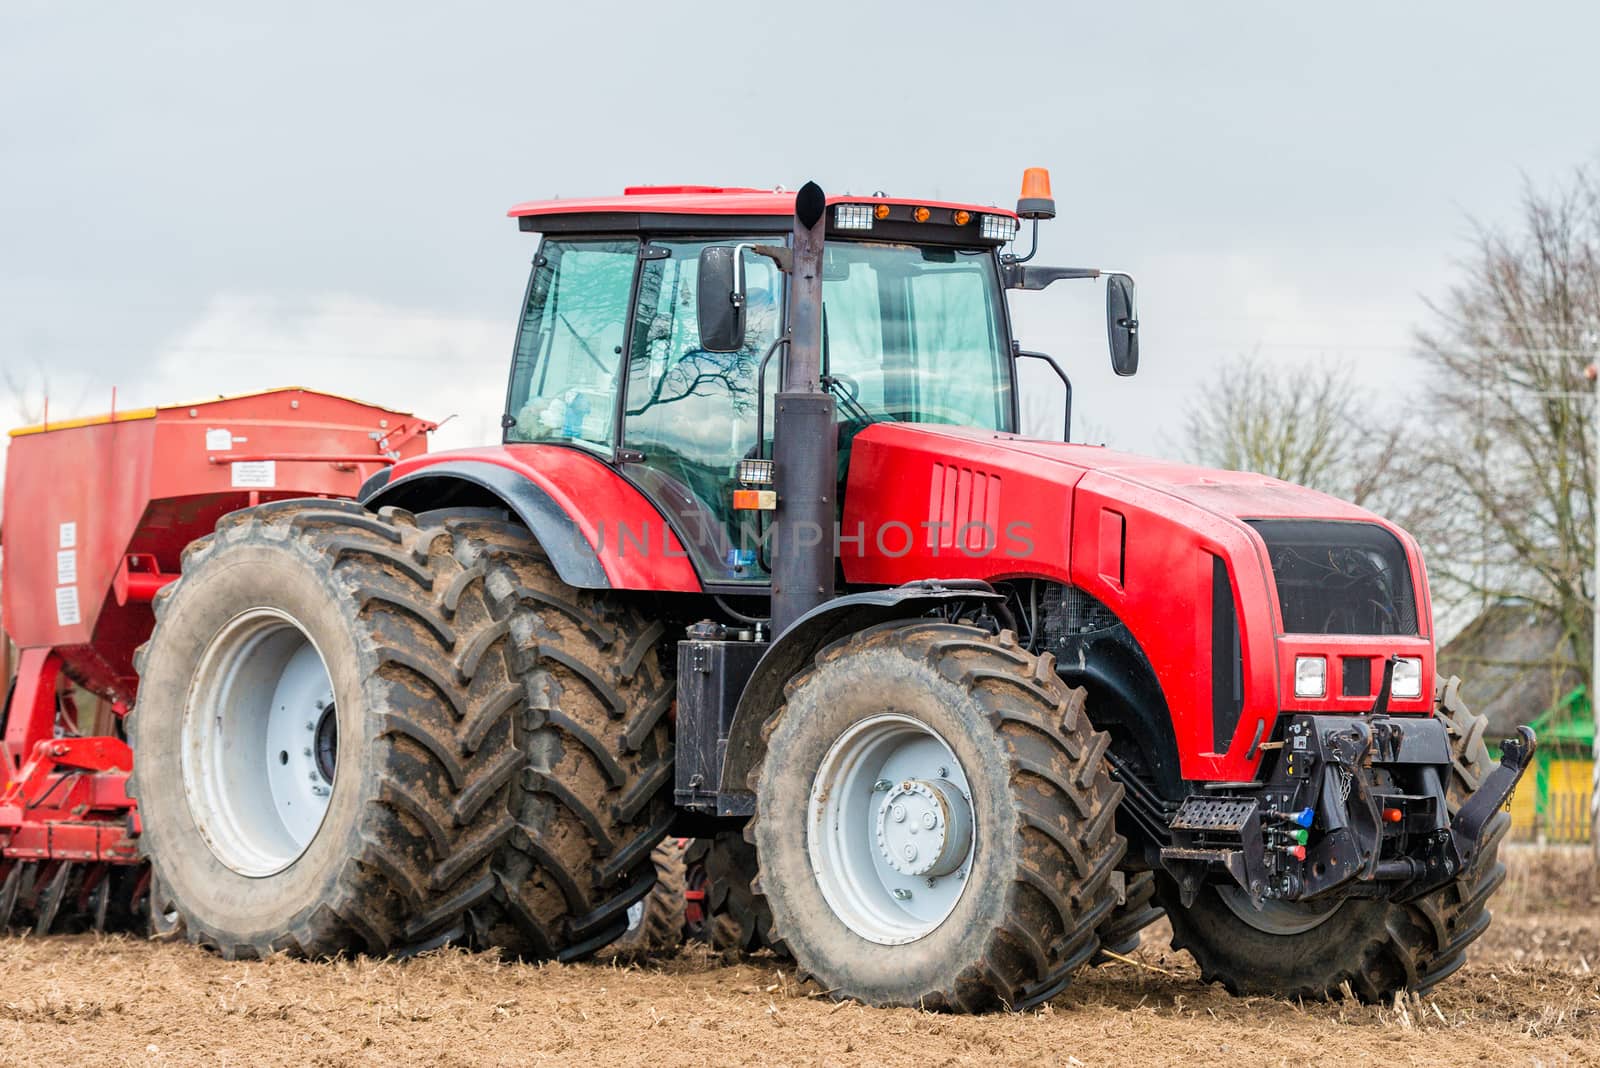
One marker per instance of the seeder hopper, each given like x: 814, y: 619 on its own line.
x: 97, y: 514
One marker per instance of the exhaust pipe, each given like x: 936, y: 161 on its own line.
x: 805, y: 442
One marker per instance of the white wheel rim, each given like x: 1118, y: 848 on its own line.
x: 260, y: 742
x: 891, y: 833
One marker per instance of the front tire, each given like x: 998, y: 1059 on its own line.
x: 936, y: 759
x: 1294, y: 949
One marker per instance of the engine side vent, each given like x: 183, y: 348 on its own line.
x: 964, y: 506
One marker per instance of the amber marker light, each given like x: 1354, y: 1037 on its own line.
x: 961, y: 218
x: 881, y: 211
x: 921, y: 214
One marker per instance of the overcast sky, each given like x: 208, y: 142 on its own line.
x: 213, y: 197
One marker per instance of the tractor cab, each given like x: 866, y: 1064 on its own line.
x: 615, y: 355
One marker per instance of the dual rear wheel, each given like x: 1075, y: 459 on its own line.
x: 381, y: 733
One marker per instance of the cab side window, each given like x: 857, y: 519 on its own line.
x: 692, y: 413
x: 564, y: 383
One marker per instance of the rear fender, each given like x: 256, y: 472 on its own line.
x: 597, y: 529
x: 808, y: 635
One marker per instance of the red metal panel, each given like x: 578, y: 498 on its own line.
x: 1140, y: 535
x: 710, y: 200
x: 636, y: 547
x: 150, y: 482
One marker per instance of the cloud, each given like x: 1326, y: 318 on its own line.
x: 434, y: 365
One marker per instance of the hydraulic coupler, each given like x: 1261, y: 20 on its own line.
x: 1346, y: 804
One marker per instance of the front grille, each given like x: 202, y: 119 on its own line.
x: 1357, y: 677
x: 1339, y: 577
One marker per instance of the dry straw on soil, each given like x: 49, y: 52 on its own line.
x: 1530, y: 995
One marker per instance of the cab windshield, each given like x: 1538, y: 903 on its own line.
x: 609, y: 358
x: 915, y: 333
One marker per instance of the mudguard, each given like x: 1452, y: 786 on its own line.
x: 599, y: 531
x: 790, y: 651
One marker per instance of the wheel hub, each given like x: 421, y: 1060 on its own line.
x: 924, y: 827
x: 892, y: 829
x: 260, y: 742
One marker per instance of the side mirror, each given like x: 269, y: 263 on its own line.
x: 719, y: 292
x: 1122, y: 324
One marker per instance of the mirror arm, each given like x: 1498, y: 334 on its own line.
x: 1024, y: 354
x: 1020, y: 277
x: 781, y: 256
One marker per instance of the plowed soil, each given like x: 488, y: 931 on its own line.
x: 1530, y: 995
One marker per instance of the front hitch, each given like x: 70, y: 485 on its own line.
x: 1348, y: 800
x: 1467, y: 828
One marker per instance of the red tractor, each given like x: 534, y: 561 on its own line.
x: 764, y: 561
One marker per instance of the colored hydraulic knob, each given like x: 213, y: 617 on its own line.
x: 1301, y: 818
x: 1297, y: 852
x: 1393, y: 815
x: 1300, y: 836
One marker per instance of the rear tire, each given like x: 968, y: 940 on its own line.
x: 500, y: 741
x: 421, y: 723
x: 656, y: 922
x: 1122, y: 931
x: 919, y: 724
x: 1378, y: 947
x: 738, y: 921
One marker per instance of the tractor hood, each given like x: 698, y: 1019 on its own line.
x: 1238, y: 494
x: 1039, y: 464
x: 946, y: 491
x: 1178, y: 554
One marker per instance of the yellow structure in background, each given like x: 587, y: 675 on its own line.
x: 1552, y: 802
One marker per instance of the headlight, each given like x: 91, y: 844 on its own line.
x: 1407, y: 680
x: 1310, y: 676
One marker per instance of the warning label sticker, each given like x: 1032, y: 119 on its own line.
x: 255, y: 474
x: 66, y: 567
x: 219, y: 440
x: 69, y: 535
x: 67, y: 606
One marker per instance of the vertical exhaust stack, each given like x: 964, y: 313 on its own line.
x: 805, y: 442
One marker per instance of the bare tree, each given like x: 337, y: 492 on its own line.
x: 1309, y: 425
x: 26, y: 394
x: 1510, y: 461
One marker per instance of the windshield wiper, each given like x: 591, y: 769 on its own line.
x: 852, y: 408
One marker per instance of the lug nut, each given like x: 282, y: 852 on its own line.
x: 899, y: 813
x: 928, y: 821
x: 881, y: 786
